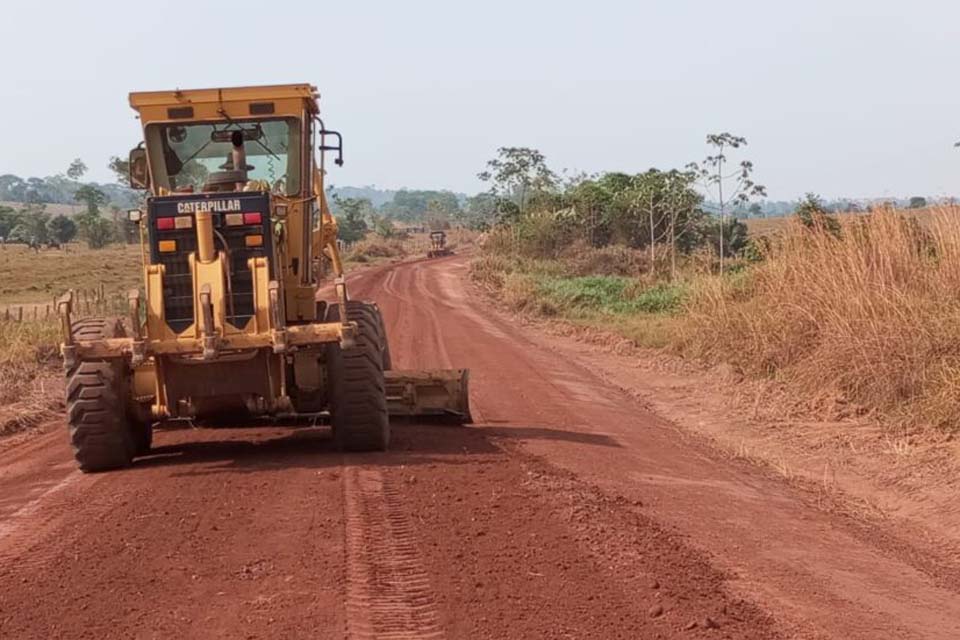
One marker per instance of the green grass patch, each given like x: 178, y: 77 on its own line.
x: 615, y: 295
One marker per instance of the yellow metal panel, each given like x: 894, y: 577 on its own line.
x: 141, y: 99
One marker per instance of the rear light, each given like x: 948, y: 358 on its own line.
x: 165, y: 224
x: 167, y: 246
x: 183, y: 222
x: 237, y: 219
x: 253, y: 241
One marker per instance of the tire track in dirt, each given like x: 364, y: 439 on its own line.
x: 389, y: 596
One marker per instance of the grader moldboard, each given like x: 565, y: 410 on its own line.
x: 236, y: 236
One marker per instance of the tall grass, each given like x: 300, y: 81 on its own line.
x: 28, y: 359
x: 872, y: 315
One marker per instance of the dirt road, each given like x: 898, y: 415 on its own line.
x: 567, y: 511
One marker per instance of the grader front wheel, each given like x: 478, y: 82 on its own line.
x: 96, y: 404
x: 358, y: 400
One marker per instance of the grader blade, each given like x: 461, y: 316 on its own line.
x: 441, y: 393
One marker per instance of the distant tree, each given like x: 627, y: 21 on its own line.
x: 409, y: 205
x: 483, y: 210
x: 62, y: 229
x: 95, y: 229
x: 32, y: 227
x: 516, y: 172
x: 9, y: 219
x: 727, y: 238
x: 730, y: 188
x: 756, y: 211
x: 351, y: 222
x: 121, y: 169
x: 814, y: 215
x: 918, y: 202
x: 92, y: 197
x: 384, y: 227
x: 76, y: 170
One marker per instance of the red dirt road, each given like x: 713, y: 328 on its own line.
x: 567, y: 511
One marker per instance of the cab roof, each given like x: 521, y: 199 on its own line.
x: 152, y: 105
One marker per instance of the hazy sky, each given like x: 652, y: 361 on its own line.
x: 842, y: 97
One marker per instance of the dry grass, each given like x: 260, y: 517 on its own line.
x: 871, y: 318
x: 29, y: 357
x: 32, y: 277
x: 28, y: 361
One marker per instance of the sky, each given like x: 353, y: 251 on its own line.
x: 845, y: 98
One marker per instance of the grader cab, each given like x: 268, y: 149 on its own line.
x: 237, y: 240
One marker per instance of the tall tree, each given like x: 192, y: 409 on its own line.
x: 76, y: 170
x: 92, y: 197
x: 516, y: 172
x: 731, y: 188
x: 121, y: 169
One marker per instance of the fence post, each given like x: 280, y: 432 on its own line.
x: 19, y: 314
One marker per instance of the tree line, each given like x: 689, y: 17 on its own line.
x: 34, y: 226
x: 680, y: 209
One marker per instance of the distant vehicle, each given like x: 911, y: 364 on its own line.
x: 438, y: 245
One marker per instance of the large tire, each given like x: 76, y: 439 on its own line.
x: 97, y: 404
x: 372, y: 313
x: 358, y: 400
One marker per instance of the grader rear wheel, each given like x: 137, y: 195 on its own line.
x: 358, y: 401
x: 100, y: 431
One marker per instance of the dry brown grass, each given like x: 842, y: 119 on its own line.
x: 28, y: 372
x: 32, y: 277
x: 29, y: 358
x: 872, y: 317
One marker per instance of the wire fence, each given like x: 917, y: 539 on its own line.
x: 86, y: 302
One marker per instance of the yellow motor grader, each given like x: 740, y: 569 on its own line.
x: 438, y: 245
x: 237, y: 238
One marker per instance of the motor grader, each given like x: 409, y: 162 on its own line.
x: 238, y: 245
x: 438, y: 245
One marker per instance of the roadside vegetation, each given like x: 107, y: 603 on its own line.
x: 855, y: 308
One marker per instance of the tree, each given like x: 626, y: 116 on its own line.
x: 120, y: 168
x: 351, y: 222
x: 918, y: 202
x: 813, y: 214
x: 727, y: 238
x: 731, y: 188
x: 32, y: 227
x: 516, y: 171
x: 9, y: 219
x: 92, y: 197
x: 76, y: 170
x: 95, y: 229
x: 62, y: 229
x: 384, y: 227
